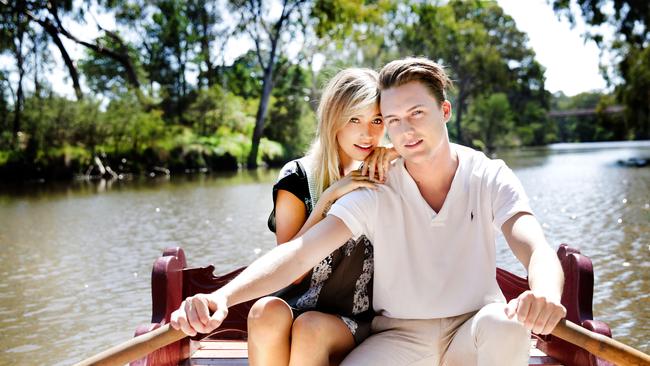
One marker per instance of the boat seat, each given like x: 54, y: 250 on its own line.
x: 234, y: 353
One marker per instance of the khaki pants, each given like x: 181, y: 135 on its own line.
x: 483, y: 338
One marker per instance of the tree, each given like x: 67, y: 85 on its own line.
x: 291, y: 122
x: 105, y: 75
x: 203, y: 20
x: 490, y: 121
x: 49, y: 16
x: 4, y: 110
x: 168, y: 46
x: 267, y: 36
x: 242, y: 77
x: 630, y: 70
x: 635, y: 92
x: 15, y: 28
x: 484, y: 50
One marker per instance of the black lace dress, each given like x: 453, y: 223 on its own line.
x: 341, y: 284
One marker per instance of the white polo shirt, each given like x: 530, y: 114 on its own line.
x: 435, y: 265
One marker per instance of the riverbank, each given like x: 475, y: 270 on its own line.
x: 74, y: 163
x: 206, y: 156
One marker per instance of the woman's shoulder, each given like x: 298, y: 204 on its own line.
x: 294, y: 169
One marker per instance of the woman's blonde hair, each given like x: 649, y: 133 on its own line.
x: 348, y: 93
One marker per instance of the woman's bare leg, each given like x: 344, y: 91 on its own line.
x: 319, y: 339
x: 269, y: 332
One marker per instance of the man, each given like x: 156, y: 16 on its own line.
x: 433, y: 225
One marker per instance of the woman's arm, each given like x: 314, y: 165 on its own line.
x: 291, y: 219
x: 290, y: 216
x: 349, y: 183
x: 290, y: 212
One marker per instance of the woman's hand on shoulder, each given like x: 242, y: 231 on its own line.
x: 377, y: 163
x: 349, y: 183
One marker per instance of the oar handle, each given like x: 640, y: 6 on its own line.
x: 604, y: 347
x: 135, y: 348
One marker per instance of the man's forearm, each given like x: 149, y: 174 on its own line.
x: 279, y: 267
x: 271, y: 272
x: 545, y: 275
x: 526, y: 239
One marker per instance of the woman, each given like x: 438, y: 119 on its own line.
x: 326, y: 312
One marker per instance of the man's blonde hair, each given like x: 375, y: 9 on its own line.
x: 348, y: 93
x: 429, y: 73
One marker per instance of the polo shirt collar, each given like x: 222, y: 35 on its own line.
x: 410, y: 191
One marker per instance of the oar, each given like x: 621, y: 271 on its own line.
x: 597, y: 344
x: 604, y: 347
x: 135, y: 348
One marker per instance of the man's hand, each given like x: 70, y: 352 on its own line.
x: 539, y: 314
x: 193, y: 316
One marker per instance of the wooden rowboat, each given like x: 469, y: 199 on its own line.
x: 171, y: 282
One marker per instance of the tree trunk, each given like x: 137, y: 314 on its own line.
x: 18, y: 52
x: 489, y: 136
x: 267, y: 86
x: 205, y: 45
x: 37, y: 83
x: 459, y: 115
x: 182, y: 58
x: 72, y: 69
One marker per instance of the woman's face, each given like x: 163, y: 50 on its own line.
x: 360, y: 135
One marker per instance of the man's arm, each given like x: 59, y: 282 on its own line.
x: 538, y: 309
x: 271, y: 272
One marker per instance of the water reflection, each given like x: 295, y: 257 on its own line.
x: 76, y: 259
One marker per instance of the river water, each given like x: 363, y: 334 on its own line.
x: 75, y: 259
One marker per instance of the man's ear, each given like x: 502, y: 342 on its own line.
x: 446, y: 110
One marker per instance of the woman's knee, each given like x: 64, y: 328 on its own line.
x: 271, y: 312
x: 310, y: 325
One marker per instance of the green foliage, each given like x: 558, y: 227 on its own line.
x: 242, y: 78
x: 490, y: 121
x: 62, y: 136
x: 127, y: 127
x: 291, y: 121
x: 105, y: 75
x: 635, y: 69
x: 215, y: 108
x: 539, y: 131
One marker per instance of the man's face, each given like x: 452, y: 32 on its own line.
x: 415, y: 121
